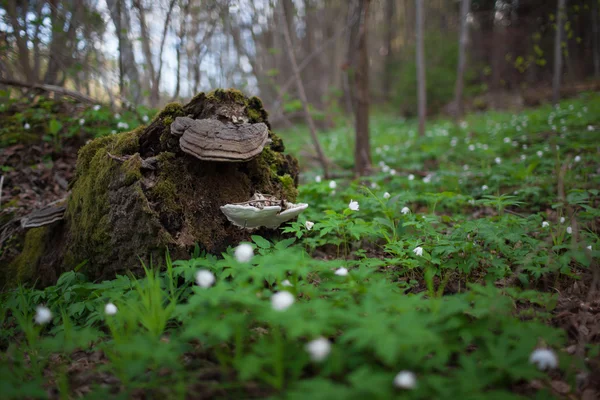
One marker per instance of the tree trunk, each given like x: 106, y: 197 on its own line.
x: 421, y: 83
x: 129, y: 73
x: 302, y: 94
x: 147, y: 51
x: 560, y: 16
x: 22, y: 49
x: 362, y: 151
x: 595, y: 40
x: 388, y: 62
x: 462, y: 61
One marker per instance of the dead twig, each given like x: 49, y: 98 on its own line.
x: 50, y: 88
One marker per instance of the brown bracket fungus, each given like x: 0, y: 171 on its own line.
x: 213, y: 140
x: 45, y: 216
x: 262, y: 210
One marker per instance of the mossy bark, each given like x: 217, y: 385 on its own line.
x: 124, y: 208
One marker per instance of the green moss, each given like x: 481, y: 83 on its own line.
x: 289, y: 189
x: 255, y: 110
x: 226, y: 96
x: 88, y: 207
x: 23, y: 267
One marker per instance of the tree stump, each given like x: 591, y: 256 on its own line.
x: 138, y: 193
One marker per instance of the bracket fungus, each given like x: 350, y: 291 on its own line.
x: 213, y: 140
x: 262, y: 210
x: 45, y: 216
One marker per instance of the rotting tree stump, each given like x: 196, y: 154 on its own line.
x: 136, y: 194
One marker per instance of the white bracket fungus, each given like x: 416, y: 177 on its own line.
x: 262, y: 210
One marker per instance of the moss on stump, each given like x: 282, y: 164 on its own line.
x: 135, y: 194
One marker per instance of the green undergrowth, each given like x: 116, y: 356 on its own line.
x: 448, y: 262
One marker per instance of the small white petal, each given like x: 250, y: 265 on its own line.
x: 318, y: 349
x: 411, y: 177
x: 309, y: 225
x: 286, y: 283
x: 405, y: 380
x: 545, y: 224
x: 43, y: 315
x: 418, y: 251
x: 281, y: 301
x: 589, y: 247
x: 96, y: 107
x: 562, y: 220
x: 341, y: 271
x: 332, y: 185
x: 244, y: 253
x: 205, y: 278
x: 26, y: 126
x: 386, y: 195
x: 498, y: 160
x: 569, y: 230
x: 577, y: 158
x: 484, y: 187
x: 81, y: 121
x: 145, y: 118
x: 544, y: 359
x: 110, y: 309
x: 353, y: 205
x: 318, y: 178
x: 405, y: 210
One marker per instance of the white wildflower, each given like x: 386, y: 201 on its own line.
x: 43, y: 315
x: 465, y: 167
x: 386, y: 195
x: 464, y: 124
x: 205, y: 278
x: 26, y: 126
x: 110, y: 309
x: 562, y: 220
x: 117, y: 116
x: 411, y: 177
x: 318, y: 349
x: 577, y: 158
x: 405, y: 380
x: 244, y: 253
x: 374, y: 185
x: 113, y: 132
x: 498, y: 160
x: 353, y: 205
x: 286, y: 283
x: 524, y: 147
x: 81, y: 121
x: 427, y: 179
x: 145, y: 118
x: 385, y: 168
x: 484, y: 187
x: 523, y: 157
x: 392, y: 172
x: 539, y: 153
x: 569, y: 230
x: 341, y: 271
x: 309, y: 225
x: 589, y: 247
x: 506, y: 140
x: 405, y: 210
x: 418, y: 251
x: 545, y: 224
x: 471, y: 147
x: 332, y: 185
x: 543, y: 359
x: 97, y: 107
x: 590, y: 128
x: 281, y: 301
x: 318, y: 178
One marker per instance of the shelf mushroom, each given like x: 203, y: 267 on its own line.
x: 262, y: 210
x: 213, y: 140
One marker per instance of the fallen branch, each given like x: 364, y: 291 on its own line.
x: 50, y: 88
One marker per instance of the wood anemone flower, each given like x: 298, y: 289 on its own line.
x: 213, y: 140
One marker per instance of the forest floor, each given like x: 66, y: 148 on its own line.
x: 465, y: 266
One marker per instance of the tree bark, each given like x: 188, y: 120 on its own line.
x: 560, y: 16
x: 362, y: 151
x: 389, y: 37
x: 595, y: 39
x: 302, y: 94
x: 465, y: 6
x: 23, y: 50
x: 421, y: 83
x: 130, y: 74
